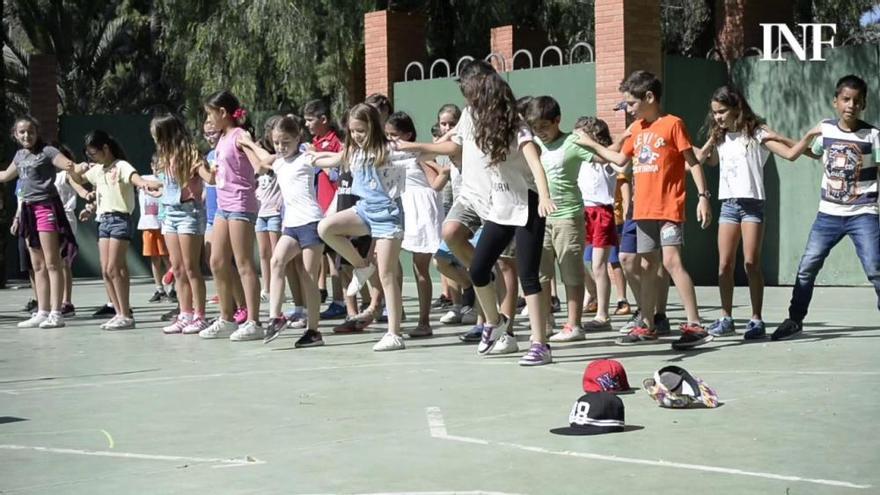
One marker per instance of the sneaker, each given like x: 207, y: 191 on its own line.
x: 692, y: 335
x: 158, y: 296
x: 196, y: 325
x: 468, y: 316
x: 276, y: 325
x: 722, y: 326
x: 506, y: 345
x: 170, y: 315
x: 105, y: 310
x: 638, y: 335
x: 120, y: 323
x: 524, y: 312
x: 55, y: 320
x: 389, y: 342
x: 350, y: 325
x: 323, y: 293
x: 452, y: 317
x: 34, y: 321
x: 298, y: 323
x: 634, y: 321
x: 537, y: 355
x: 491, y: 334
x: 251, y: 330
x: 569, y: 334
x: 240, y: 316
x: 755, y: 330
x: 441, y: 302
x: 214, y: 300
x: 597, y: 326
x: 110, y: 321
x: 30, y: 306
x: 359, y: 277
x: 520, y: 302
x: 787, y: 330
x: 591, y: 307
x: 179, y: 324
x: 420, y: 331
x: 172, y: 297
x: 473, y: 335
x: 220, y: 329
x: 555, y: 304
x: 312, y: 338
x: 333, y: 311
x: 68, y: 310
x: 264, y: 297
x: 661, y: 326
x: 383, y: 318
x: 168, y: 278
x: 623, y: 308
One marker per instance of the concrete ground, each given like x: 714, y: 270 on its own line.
x: 94, y: 412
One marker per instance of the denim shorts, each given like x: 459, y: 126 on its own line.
x: 186, y: 218
x: 268, y: 224
x: 115, y: 226
x: 237, y: 215
x: 444, y: 252
x: 739, y: 210
x: 384, y: 221
x: 306, y: 235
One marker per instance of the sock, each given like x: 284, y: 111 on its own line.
x: 468, y: 296
x: 56, y: 313
x: 42, y: 313
x: 160, y: 288
x: 186, y: 316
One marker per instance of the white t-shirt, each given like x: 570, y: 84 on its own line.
x: 296, y: 178
x: 415, y: 176
x: 65, y: 191
x: 598, y: 183
x: 474, y: 177
x: 741, y: 161
x: 850, y: 159
x: 149, y: 206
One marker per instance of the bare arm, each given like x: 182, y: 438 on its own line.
x: 77, y: 187
x: 61, y: 162
x: 325, y: 159
x: 707, y: 154
x: 606, y: 154
x: 533, y: 158
x: 704, y: 210
x: 255, y: 153
x: 9, y: 174
x: 449, y: 148
x: 437, y: 175
x: 787, y: 148
x: 584, y: 141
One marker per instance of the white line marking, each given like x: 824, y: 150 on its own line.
x: 247, y: 461
x: 436, y: 416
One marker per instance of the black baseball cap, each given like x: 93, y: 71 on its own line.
x: 593, y: 414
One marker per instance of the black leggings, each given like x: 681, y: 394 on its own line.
x: 529, y: 243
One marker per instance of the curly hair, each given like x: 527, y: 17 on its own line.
x: 745, y: 121
x: 496, y: 120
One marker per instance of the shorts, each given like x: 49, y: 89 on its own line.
x: 445, y: 253
x: 184, y: 219
x: 45, y: 217
x: 115, y: 226
x: 628, y: 237
x: 244, y: 216
x: 563, y: 242
x: 651, y: 235
x: 463, y: 213
x: 362, y: 244
x: 742, y: 210
x: 306, y: 235
x: 600, y: 227
x: 268, y: 224
x: 154, y: 243
x: 385, y: 221
x: 614, y: 257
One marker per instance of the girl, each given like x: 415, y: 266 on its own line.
x: 296, y: 178
x: 513, y: 198
x: 741, y: 143
x: 423, y: 215
x: 68, y: 190
x: 183, y: 171
x: 268, y: 227
x: 233, y: 233
x: 42, y: 222
x: 447, y: 119
x: 114, y: 180
x: 378, y: 212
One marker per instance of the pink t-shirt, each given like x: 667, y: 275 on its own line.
x: 236, y: 185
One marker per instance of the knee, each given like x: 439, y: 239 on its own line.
x: 453, y: 233
x: 752, y: 267
x: 277, y: 264
x: 112, y: 270
x: 725, y: 268
x: 531, y: 284
x: 324, y: 228
x: 218, y: 266
x: 480, y: 275
x: 388, y: 277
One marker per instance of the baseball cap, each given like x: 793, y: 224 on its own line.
x: 620, y: 106
x: 594, y: 414
x: 675, y: 387
x: 605, y: 375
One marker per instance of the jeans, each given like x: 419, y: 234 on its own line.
x: 827, y: 231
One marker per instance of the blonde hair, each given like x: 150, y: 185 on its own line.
x: 376, y: 144
x: 175, y: 148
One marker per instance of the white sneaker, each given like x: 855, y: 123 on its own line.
x: 359, y: 277
x: 34, y: 321
x: 452, y: 317
x: 55, y: 320
x: 121, y: 323
x: 177, y: 327
x: 299, y: 323
x: 220, y: 329
x: 389, y: 342
x: 249, y: 331
x: 195, y: 325
x: 569, y: 334
x: 109, y: 322
x: 506, y: 345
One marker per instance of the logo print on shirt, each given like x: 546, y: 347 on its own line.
x: 842, y: 167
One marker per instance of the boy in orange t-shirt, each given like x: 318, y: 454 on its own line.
x: 660, y: 149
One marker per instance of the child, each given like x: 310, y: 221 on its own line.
x: 183, y: 171
x: 422, y: 215
x: 740, y: 142
x: 114, y: 180
x: 42, y: 222
x: 378, y: 212
x: 662, y: 147
x: 153, y: 243
x: 382, y: 105
x: 68, y: 190
x: 268, y: 226
x: 296, y: 178
x: 850, y: 150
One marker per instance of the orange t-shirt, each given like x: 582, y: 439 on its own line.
x: 658, y: 168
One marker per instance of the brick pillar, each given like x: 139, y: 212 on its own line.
x: 391, y: 41
x: 738, y: 23
x: 44, y: 94
x: 627, y: 39
x: 507, y: 40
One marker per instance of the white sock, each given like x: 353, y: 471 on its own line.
x: 42, y: 313
x: 56, y: 313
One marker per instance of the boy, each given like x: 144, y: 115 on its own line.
x: 153, y: 241
x: 850, y: 150
x: 661, y: 147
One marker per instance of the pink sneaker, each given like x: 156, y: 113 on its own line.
x: 214, y: 300
x: 195, y: 326
x: 177, y: 327
x: 240, y: 316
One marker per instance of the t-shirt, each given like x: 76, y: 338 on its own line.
x: 474, y: 178
x: 296, y: 181
x: 741, y: 161
x: 562, y: 161
x: 849, y: 184
x: 37, y: 173
x: 66, y: 192
x: 268, y: 195
x: 344, y: 198
x: 149, y: 219
x: 236, y: 184
x: 113, y: 187
x: 326, y: 187
x: 415, y: 176
x: 658, y: 168
x: 597, y: 183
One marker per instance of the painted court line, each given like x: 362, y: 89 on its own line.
x: 438, y: 429
x: 248, y: 461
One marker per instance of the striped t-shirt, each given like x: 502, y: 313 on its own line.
x: 849, y: 184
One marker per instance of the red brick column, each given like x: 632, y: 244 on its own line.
x: 507, y: 40
x: 628, y: 38
x: 44, y: 94
x: 738, y: 23
x: 391, y: 41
